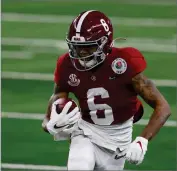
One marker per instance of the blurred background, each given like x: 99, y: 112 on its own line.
x: 33, y: 36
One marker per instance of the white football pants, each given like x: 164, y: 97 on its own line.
x: 85, y: 155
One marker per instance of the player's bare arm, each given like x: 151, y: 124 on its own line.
x: 148, y: 91
x: 56, y: 95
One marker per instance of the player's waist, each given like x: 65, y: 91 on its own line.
x: 109, y: 130
x: 111, y: 136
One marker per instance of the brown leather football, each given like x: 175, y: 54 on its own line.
x: 62, y: 103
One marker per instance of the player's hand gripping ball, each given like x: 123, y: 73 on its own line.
x: 65, y: 113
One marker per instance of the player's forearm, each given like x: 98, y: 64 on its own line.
x: 53, y: 98
x: 157, y: 120
x: 44, y: 123
x: 47, y: 116
x: 151, y: 95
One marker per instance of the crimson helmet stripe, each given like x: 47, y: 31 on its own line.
x: 79, y: 25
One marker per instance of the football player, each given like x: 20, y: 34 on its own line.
x: 106, y: 81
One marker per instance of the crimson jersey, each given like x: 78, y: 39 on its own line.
x: 105, y: 93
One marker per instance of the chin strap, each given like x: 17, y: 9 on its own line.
x: 118, y: 38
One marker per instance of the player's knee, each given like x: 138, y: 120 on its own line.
x: 115, y: 164
x: 114, y: 167
x: 81, y: 164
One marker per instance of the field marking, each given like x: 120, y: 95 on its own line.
x: 137, y: 2
x: 32, y: 167
x: 144, y: 44
x: 145, y: 2
x: 17, y: 115
x: 53, y: 42
x: 16, y: 54
x: 37, y: 18
x: 151, y: 2
x: 50, y: 77
x: 39, y: 116
x: 27, y: 76
x: 40, y: 167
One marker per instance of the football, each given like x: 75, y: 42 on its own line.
x: 62, y: 103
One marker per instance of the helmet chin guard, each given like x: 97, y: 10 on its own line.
x: 88, y: 64
x: 90, y: 61
x: 93, y: 32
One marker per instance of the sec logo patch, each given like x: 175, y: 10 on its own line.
x: 119, y: 66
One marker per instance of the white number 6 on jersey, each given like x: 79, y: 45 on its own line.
x: 91, y: 93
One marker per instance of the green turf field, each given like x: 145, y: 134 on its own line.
x: 33, y: 47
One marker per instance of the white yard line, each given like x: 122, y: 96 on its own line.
x: 16, y: 115
x: 50, y: 77
x: 39, y: 116
x: 151, y: 2
x: 32, y: 167
x: 143, y: 2
x: 143, y: 44
x: 16, y: 54
x: 39, y: 167
x: 27, y: 76
x: 167, y: 124
x: 149, y: 22
x: 30, y: 42
x: 165, y: 83
x: 54, y: 42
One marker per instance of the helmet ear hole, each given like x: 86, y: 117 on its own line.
x: 109, y: 50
